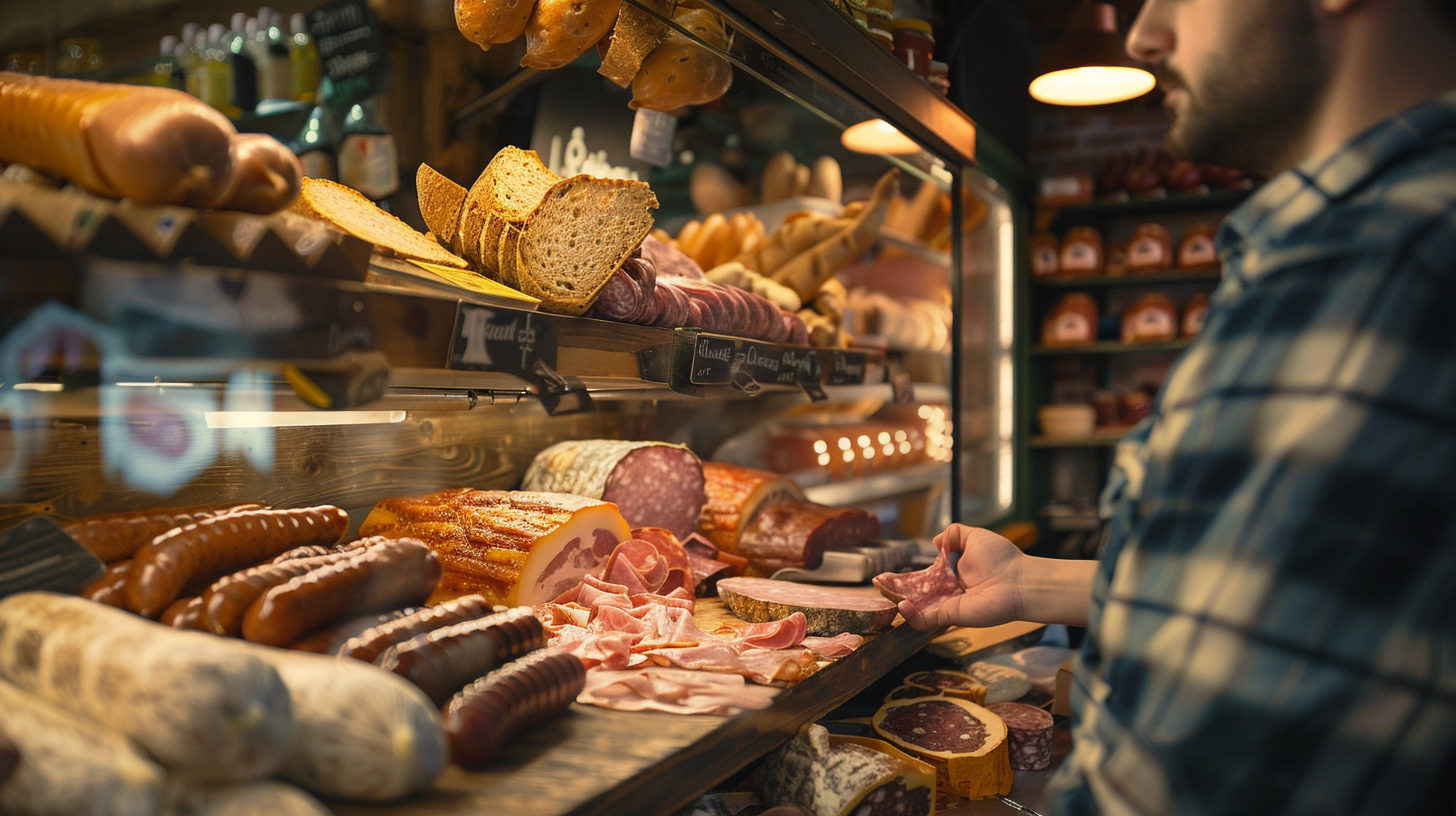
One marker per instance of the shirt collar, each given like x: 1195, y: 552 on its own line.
x: 1297, y: 195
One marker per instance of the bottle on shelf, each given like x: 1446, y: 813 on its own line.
x: 217, y: 71
x: 367, y: 158
x: 315, y: 145
x: 305, y: 59
x: 167, y: 73
x: 275, y: 77
x: 243, y: 92
x: 190, y: 56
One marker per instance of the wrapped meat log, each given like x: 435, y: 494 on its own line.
x: 797, y: 533
x: 516, y: 548
x: 734, y: 495
x: 653, y: 484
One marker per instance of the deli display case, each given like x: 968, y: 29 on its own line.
x: 157, y: 357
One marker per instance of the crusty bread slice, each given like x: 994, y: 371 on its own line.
x: 582, y: 231
x: 440, y: 203
x: 634, y: 36
x: 348, y: 209
x: 508, y: 190
x: 506, y: 253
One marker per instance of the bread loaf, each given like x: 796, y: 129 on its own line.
x: 559, y: 31
x: 807, y: 272
x: 508, y: 190
x: 440, y: 202
x: 489, y: 22
x: 778, y: 177
x: 679, y: 71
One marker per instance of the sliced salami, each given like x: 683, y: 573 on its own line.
x: 923, y: 588
x: 1029, y: 730
x: 670, y: 259
x: 653, y: 484
x: 620, y: 299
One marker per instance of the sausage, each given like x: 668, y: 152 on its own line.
x: 110, y: 588
x: 213, y: 547
x: 386, y: 575
x: 226, y: 601
x: 369, y: 645
x: 115, y: 536
x: 269, y: 176
x: 331, y: 638
x: 184, y: 613
x: 151, y: 145
x: 445, y: 660
x: 523, y: 693
x: 309, y: 551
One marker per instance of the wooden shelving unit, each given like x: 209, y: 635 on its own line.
x: 1112, y: 347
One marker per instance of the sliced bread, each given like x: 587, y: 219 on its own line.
x: 582, y: 231
x: 347, y: 209
x: 505, y: 251
x: 440, y: 203
x: 508, y: 190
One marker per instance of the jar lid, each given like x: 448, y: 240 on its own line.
x: 910, y: 23
x: 937, y: 65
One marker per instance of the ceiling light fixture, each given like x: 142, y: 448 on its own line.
x: 878, y: 137
x: 1088, y: 65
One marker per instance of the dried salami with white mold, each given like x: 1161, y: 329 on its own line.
x: 828, y: 775
x: 1029, y: 730
x: 653, y: 484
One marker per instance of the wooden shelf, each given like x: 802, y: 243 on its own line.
x: 1112, y: 347
x: 1177, y: 203
x: 596, y: 761
x: 1103, y: 437
x: 1211, y: 273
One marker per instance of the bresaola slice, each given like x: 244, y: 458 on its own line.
x: 923, y: 588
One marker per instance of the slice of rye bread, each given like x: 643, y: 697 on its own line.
x: 507, y: 191
x: 505, y: 251
x: 634, y: 36
x: 347, y: 209
x: 583, y: 230
x: 440, y: 203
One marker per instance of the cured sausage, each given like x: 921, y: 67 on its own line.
x: 445, y: 660
x: 796, y: 534
x: 505, y: 702
x: 330, y: 639
x: 226, y: 602
x: 114, y: 536
x: 372, y: 643
x: 184, y: 613
x: 1029, y: 731
x: 213, y: 547
x: 110, y: 588
x: 387, y: 574
x: 653, y: 484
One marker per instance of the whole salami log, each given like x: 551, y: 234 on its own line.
x: 620, y: 299
x: 213, y: 547
x: 115, y: 536
x: 444, y: 661
x: 389, y: 574
x: 1029, y: 730
x: 523, y: 693
x: 734, y: 495
x: 827, y: 610
x: 796, y: 534
x: 369, y: 645
x: 653, y: 484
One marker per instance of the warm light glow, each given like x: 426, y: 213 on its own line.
x: 820, y: 446
x: 844, y: 443
x: 864, y: 441
x: 38, y: 386
x: 877, y: 137
x: 824, y: 459
x: 295, y: 419
x: 1091, y: 85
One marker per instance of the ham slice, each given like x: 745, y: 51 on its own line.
x: 669, y: 626
x: 784, y: 633
x: 679, y: 571
x: 708, y: 563
x: 608, y: 651
x: 923, y: 588
x: 758, y: 665
x: 674, y: 599
x: 673, y: 691
x: 554, y: 616
x: 636, y: 565
x: 833, y: 647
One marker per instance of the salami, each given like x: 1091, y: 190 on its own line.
x: 966, y: 742
x: 923, y: 588
x: 620, y: 299
x: 670, y: 259
x: 653, y: 484
x: 1029, y: 730
x: 827, y: 611
x: 796, y: 534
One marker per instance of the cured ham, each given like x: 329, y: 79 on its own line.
x: 679, y: 570
x: 515, y: 548
x: 923, y: 588
x: 708, y: 563
x: 758, y: 665
x: 674, y: 691
x: 833, y: 647
x: 609, y: 651
x: 784, y: 633
x: 651, y: 562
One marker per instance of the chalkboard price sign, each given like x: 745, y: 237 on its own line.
x: 351, y: 51
x: 522, y: 344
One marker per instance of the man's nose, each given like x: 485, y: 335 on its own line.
x: 1151, y: 37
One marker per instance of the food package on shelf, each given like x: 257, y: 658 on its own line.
x: 1081, y: 253
x: 1073, y: 321
x: 1152, y: 319
x: 1197, y: 247
x: 1150, y: 250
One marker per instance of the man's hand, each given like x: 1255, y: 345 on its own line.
x: 990, y: 576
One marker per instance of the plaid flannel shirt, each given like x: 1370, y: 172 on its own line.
x: 1273, y: 623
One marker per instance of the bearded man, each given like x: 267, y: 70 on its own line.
x: 1272, y: 621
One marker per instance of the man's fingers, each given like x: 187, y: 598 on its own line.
x: 923, y: 619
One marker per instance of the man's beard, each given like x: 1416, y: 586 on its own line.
x: 1253, y: 109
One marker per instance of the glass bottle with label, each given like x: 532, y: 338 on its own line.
x: 367, y: 158
x: 315, y: 145
x: 278, y: 82
x: 167, y: 73
x: 217, y: 71
x: 244, y: 90
x: 190, y: 56
x: 305, y: 59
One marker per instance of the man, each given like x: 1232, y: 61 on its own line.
x: 1272, y: 626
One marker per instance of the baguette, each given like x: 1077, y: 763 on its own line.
x: 681, y: 72
x: 799, y: 232
x: 778, y: 177
x: 809, y: 270
x: 151, y: 145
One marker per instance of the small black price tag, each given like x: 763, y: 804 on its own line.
x: 847, y: 368
x: 902, y: 386
x: 522, y: 344
x: 351, y: 51
x: 713, y: 360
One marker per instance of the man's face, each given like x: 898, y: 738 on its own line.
x: 1242, y: 78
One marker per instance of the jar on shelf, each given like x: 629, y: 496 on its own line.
x: 882, y: 36
x: 1152, y: 319
x: 1197, y: 247
x: 1045, y: 255
x: 939, y: 77
x: 1107, y: 407
x: 914, y: 44
x: 1136, y: 405
x: 1150, y: 250
x: 1081, y: 253
x: 1073, y: 321
x: 1195, y: 311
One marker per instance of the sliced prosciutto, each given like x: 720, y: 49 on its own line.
x: 709, y: 563
x: 674, y: 691
x: 609, y: 651
x: 923, y: 588
x: 652, y: 561
x: 784, y: 633
x: 833, y: 647
x: 758, y: 665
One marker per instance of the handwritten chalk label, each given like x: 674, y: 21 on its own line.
x: 713, y: 360
x: 522, y: 344
x: 847, y: 368
x: 351, y: 51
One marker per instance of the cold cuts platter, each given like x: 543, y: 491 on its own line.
x: 599, y: 761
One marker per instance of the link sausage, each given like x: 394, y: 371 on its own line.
x: 110, y: 588
x: 226, y: 602
x: 526, y: 692
x: 184, y: 613
x: 443, y: 661
x: 331, y: 638
x: 371, y: 644
x: 114, y: 536
x: 385, y: 575
x: 213, y: 547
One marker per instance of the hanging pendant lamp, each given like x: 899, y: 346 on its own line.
x: 1088, y: 66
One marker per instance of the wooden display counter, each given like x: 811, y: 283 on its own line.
x: 596, y: 761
